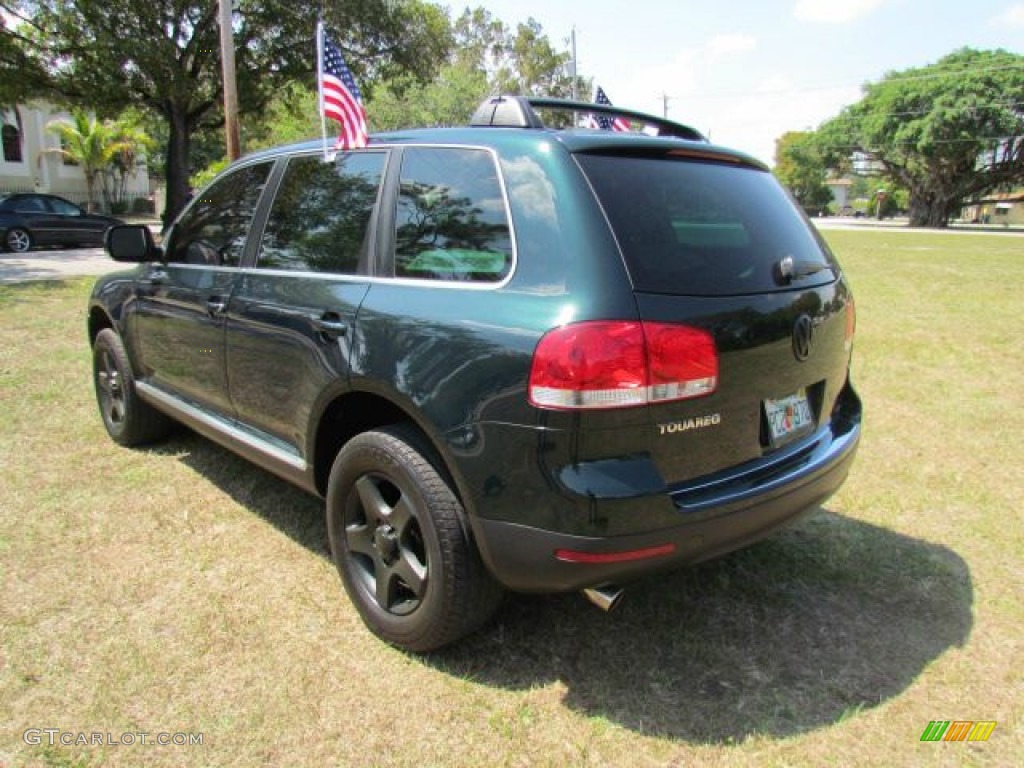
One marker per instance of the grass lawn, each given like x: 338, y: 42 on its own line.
x: 179, y: 590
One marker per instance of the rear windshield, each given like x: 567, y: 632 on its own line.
x: 705, y: 228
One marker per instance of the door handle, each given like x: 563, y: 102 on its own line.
x: 330, y: 325
x: 154, y: 277
x: 216, y: 305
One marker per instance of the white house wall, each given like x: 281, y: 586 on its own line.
x: 41, y: 170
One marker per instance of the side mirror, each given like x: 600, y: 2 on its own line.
x: 132, y: 243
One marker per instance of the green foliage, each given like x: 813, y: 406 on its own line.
x: 487, y: 58
x: 105, y: 150
x: 20, y: 72
x: 449, y: 100
x: 200, y: 179
x: 292, y: 115
x: 948, y: 133
x: 800, y: 167
x: 164, y: 56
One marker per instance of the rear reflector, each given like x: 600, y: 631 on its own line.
x: 574, y: 556
x: 617, y: 364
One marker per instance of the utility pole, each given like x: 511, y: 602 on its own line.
x: 227, y: 57
x: 575, y: 95
x: 664, y: 105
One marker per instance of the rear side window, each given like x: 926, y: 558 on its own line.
x: 214, y: 229
x: 30, y: 205
x: 451, y: 219
x: 320, y: 217
x: 703, y: 228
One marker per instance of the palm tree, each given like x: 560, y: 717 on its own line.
x: 91, y: 144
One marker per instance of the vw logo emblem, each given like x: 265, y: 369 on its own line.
x: 803, y: 335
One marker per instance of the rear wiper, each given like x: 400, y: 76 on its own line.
x: 789, y: 269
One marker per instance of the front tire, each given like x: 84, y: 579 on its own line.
x: 399, y: 543
x: 128, y: 420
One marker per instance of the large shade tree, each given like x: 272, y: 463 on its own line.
x: 164, y: 55
x: 949, y: 132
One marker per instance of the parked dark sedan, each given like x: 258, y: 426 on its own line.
x: 31, y: 220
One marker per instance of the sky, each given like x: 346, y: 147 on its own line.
x: 746, y: 71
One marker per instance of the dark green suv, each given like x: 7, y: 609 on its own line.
x: 508, y: 356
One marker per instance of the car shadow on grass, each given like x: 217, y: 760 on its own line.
x: 810, y: 626
x: 822, y: 620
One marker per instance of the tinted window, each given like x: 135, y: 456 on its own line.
x: 702, y: 228
x: 214, y: 228
x: 451, y: 218
x: 30, y: 204
x: 64, y: 208
x: 320, y: 217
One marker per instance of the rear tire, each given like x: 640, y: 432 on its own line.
x: 399, y: 543
x: 128, y: 420
x: 18, y: 240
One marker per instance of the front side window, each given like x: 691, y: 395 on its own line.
x: 213, y: 230
x: 320, y: 217
x: 451, y: 218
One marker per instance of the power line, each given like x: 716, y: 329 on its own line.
x: 836, y: 86
x: 995, y: 140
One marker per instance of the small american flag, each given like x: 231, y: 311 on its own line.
x: 606, y: 123
x: 341, y: 98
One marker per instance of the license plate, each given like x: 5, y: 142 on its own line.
x: 788, y: 415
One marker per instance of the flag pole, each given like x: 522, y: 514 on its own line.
x: 320, y: 82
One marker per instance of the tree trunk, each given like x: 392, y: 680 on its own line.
x: 929, y: 210
x: 90, y: 191
x: 178, y: 144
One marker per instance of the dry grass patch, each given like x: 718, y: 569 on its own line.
x: 179, y: 589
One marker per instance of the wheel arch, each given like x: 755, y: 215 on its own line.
x: 98, y: 320
x: 358, y: 411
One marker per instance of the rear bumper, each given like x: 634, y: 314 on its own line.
x: 717, y: 515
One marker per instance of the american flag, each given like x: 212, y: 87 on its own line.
x: 606, y: 123
x: 341, y: 99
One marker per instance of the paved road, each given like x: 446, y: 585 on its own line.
x: 55, y: 265
x: 900, y: 225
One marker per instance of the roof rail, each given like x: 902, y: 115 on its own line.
x: 519, y: 112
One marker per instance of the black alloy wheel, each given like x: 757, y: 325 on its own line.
x: 400, y: 544
x: 128, y: 420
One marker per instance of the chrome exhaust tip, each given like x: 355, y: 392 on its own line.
x: 605, y: 597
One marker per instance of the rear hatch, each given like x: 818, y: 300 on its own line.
x: 713, y: 243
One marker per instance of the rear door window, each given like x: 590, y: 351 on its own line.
x: 320, y: 218
x: 704, y: 228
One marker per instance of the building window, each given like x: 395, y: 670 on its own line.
x: 12, y: 143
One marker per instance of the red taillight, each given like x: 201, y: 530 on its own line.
x: 615, y: 364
